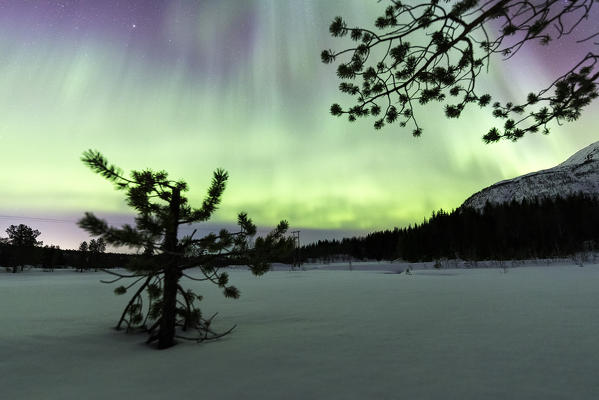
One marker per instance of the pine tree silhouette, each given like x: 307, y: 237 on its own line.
x: 170, y: 311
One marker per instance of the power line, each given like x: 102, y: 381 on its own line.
x: 41, y: 219
x: 67, y: 221
x: 36, y: 218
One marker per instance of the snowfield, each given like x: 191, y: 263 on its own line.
x: 530, y: 333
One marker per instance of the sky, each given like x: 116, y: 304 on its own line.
x: 194, y: 85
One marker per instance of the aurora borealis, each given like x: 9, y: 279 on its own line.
x: 191, y: 85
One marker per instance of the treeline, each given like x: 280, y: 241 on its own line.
x: 21, y: 248
x: 516, y: 230
x: 14, y: 258
x: 374, y: 246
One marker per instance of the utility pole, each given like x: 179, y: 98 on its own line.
x: 297, y: 262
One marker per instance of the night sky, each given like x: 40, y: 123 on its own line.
x: 189, y: 86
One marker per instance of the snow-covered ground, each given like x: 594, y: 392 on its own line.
x: 530, y: 333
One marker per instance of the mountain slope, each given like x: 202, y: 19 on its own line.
x: 579, y: 173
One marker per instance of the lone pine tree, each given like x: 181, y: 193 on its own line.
x: 434, y: 51
x: 21, y: 237
x: 160, y: 305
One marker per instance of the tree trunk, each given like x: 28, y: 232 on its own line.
x: 166, y: 334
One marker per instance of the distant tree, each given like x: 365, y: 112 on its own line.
x: 23, y: 235
x: 434, y: 51
x: 170, y: 311
x: 5, y: 253
x: 100, y: 245
x: 97, y: 246
x: 83, y: 258
x: 83, y: 246
x: 50, y: 257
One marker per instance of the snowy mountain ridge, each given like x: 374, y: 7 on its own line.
x: 578, y: 174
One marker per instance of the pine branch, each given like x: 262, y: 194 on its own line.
x: 125, y: 236
x: 432, y: 52
x: 212, y: 200
x: 99, y: 164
